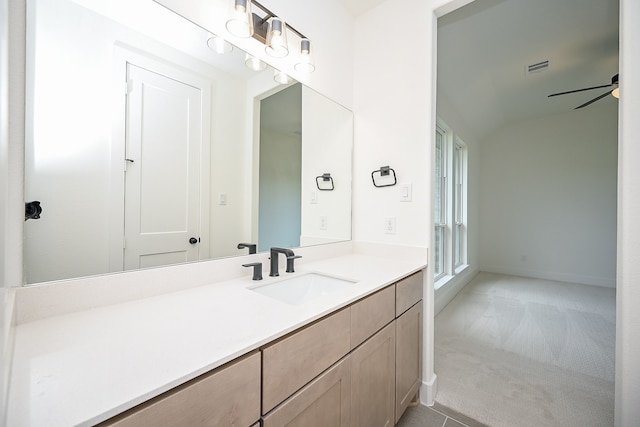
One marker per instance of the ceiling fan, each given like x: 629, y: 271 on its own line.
x: 615, y: 92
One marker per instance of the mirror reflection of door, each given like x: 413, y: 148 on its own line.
x: 162, y: 162
x: 280, y: 185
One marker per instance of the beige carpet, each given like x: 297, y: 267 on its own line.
x: 512, y: 351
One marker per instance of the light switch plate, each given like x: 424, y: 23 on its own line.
x: 405, y: 192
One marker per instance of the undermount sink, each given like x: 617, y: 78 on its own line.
x: 301, y: 289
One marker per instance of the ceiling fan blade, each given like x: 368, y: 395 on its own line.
x: 578, y: 90
x: 593, y: 100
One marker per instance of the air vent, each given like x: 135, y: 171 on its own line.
x: 537, y: 67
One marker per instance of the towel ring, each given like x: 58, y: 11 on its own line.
x: 384, y: 171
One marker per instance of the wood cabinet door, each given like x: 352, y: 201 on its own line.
x: 289, y: 364
x: 408, y: 357
x: 325, y: 402
x: 373, y: 380
x: 370, y: 314
x: 228, y: 396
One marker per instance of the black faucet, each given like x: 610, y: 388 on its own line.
x: 250, y: 246
x: 274, y: 260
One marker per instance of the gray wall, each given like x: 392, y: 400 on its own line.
x: 548, y: 197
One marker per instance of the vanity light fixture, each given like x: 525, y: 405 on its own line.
x: 218, y: 44
x: 282, y: 78
x: 241, y: 21
x: 276, y: 38
x: 254, y: 63
x: 270, y: 30
x: 305, y: 63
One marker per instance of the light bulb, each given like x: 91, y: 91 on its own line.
x: 305, y: 63
x: 241, y: 21
x: 277, y: 38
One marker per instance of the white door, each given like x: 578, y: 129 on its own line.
x: 162, y: 179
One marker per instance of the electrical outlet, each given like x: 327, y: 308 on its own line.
x: 390, y: 225
x: 323, y: 222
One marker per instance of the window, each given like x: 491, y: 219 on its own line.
x: 439, y: 213
x: 450, y: 231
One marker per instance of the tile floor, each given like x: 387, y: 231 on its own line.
x: 435, y: 416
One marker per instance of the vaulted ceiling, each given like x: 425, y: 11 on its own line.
x: 485, y: 47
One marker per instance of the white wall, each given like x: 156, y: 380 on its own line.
x: 12, y: 80
x: 325, y: 149
x: 394, y: 125
x: 548, y: 197
x: 627, y: 410
x: 6, y: 304
x: 69, y: 149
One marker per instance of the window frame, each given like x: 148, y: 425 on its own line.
x: 451, y: 174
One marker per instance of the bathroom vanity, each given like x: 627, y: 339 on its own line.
x: 225, y: 354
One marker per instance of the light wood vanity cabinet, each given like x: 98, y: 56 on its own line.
x: 227, y: 396
x: 292, y: 362
x: 359, y: 366
x: 408, y: 341
x: 371, y: 386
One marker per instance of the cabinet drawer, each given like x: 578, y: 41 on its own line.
x: 289, y: 364
x: 324, y: 402
x: 370, y: 314
x: 229, y: 395
x: 408, y: 292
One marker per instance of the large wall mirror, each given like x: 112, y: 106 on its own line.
x: 147, y: 148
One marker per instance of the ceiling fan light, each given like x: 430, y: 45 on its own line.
x: 616, y: 93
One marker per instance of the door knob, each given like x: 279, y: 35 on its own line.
x: 193, y: 240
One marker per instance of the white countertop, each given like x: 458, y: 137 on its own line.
x: 83, y: 368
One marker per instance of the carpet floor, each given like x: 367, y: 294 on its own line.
x: 513, y: 351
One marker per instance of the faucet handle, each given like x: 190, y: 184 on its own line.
x: 290, y: 260
x: 257, y: 270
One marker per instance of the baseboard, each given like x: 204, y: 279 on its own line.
x: 551, y: 275
x: 446, y: 293
x: 428, y: 391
